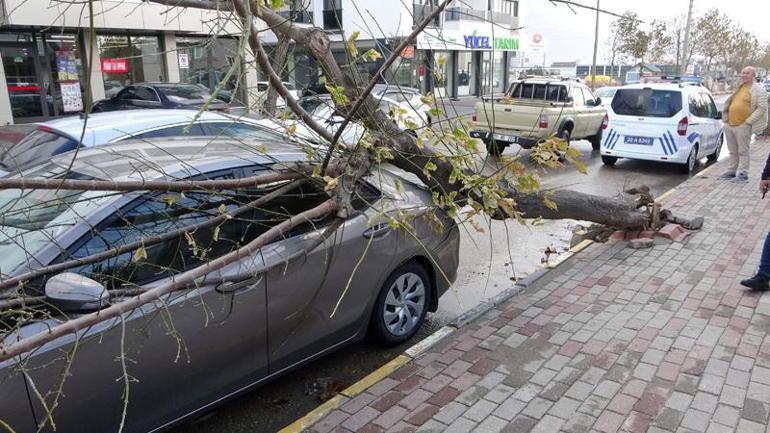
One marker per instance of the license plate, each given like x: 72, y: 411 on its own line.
x: 508, y: 138
x: 633, y: 139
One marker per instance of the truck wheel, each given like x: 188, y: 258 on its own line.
x: 596, y: 140
x: 494, y: 147
x: 565, y: 135
x: 609, y: 160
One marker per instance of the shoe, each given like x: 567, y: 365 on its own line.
x: 757, y: 282
x: 727, y: 175
x: 741, y: 178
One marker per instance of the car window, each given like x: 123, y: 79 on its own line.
x: 184, y: 93
x: 647, y: 102
x: 589, y: 97
x: 166, y: 212
x: 710, y: 105
x: 696, y: 105
x: 146, y: 94
x: 261, y: 87
x: 195, y: 130
x: 38, y: 145
x: 539, y: 91
x: 127, y: 93
x: 240, y: 130
x: 605, y: 93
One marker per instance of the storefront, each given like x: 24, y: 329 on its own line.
x: 44, y: 74
x: 129, y: 59
x: 474, y: 64
x: 207, y: 62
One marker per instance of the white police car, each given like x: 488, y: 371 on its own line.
x: 677, y: 123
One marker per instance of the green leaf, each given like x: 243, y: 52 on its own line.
x: 398, y: 185
x: 371, y: 55
x: 351, y: 44
x: 216, y: 233
x: 276, y: 4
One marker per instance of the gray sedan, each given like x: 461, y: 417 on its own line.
x: 178, y: 357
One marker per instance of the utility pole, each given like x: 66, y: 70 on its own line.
x: 596, y: 45
x: 686, y: 48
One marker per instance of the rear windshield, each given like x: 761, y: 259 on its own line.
x: 647, y: 102
x: 539, y: 91
x: 38, y: 145
x: 184, y: 93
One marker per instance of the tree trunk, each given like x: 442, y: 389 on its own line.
x: 279, y: 63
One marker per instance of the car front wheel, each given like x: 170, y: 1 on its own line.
x: 692, y: 159
x: 401, y: 305
x: 609, y: 160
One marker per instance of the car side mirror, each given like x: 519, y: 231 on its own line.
x: 75, y: 293
x: 598, y: 102
x: 718, y: 115
x: 336, y: 120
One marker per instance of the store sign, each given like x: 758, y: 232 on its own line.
x: 408, y: 52
x: 474, y: 42
x: 184, y: 61
x: 72, y: 99
x: 115, y: 66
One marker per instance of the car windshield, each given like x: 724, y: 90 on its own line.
x: 37, y: 144
x: 647, y: 102
x: 184, y: 94
x: 605, y: 93
x: 320, y: 108
x: 31, y: 219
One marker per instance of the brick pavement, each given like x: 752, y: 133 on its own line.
x: 615, y: 339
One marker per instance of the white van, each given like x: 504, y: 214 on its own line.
x: 676, y: 123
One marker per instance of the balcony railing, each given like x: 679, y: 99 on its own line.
x: 457, y: 14
x: 502, y: 18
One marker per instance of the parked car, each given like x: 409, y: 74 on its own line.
x: 261, y: 94
x: 536, y: 108
x: 202, y: 345
x: 22, y: 145
x: 160, y: 95
x: 674, y: 123
x: 321, y: 108
x: 605, y: 94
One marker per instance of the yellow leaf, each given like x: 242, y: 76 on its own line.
x: 139, y: 254
x: 331, y: 183
x: 170, y: 200
x: 216, y: 233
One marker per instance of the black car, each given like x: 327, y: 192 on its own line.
x: 160, y: 95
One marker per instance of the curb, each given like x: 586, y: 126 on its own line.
x: 423, y: 346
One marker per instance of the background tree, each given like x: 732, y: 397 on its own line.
x: 644, y: 42
x: 712, y: 37
x: 615, y: 39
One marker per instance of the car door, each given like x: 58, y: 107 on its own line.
x: 15, y: 409
x: 318, y: 300
x: 715, y: 121
x: 580, y: 112
x: 699, y: 129
x: 181, y: 353
x: 594, y: 113
x: 146, y: 97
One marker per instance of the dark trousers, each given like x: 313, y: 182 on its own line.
x: 764, y: 262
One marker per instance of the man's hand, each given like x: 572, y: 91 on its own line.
x: 764, y: 184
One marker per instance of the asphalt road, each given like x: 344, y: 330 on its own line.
x: 490, y: 262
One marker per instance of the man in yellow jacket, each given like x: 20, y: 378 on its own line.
x: 745, y: 113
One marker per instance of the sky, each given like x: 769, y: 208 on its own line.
x: 570, y: 36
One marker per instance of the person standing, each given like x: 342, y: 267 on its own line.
x: 761, y: 281
x: 745, y: 113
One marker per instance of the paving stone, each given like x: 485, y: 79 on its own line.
x: 461, y: 425
x: 564, y: 408
x: 509, y: 409
x: 580, y: 390
x: 554, y: 391
x: 668, y: 419
x: 492, y: 424
x: 711, y: 384
x: 580, y: 423
x: 726, y: 415
x: 537, y: 408
x: 479, y: 411
x: 715, y: 427
x: 609, y: 422
x: 732, y: 396
x: 696, y: 420
x: 520, y: 424
x: 594, y: 405
x: 679, y: 401
x: 471, y: 395
x: 746, y: 426
x: 499, y: 393
x: 607, y: 389
x: 432, y: 426
x: 450, y: 412
x: 543, y: 376
x: 754, y: 410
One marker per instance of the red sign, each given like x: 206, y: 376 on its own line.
x: 115, y: 66
x: 421, y: 70
x: 408, y: 52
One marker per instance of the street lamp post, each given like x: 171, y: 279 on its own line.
x: 686, y: 48
x: 596, y: 45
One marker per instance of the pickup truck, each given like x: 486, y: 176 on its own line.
x: 536, y: 108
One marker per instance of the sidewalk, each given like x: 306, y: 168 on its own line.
x: 614, y: 339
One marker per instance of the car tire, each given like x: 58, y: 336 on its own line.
x: 692, y: 160
x: 714, y: 156
x: 609, y: 160
x: 401, y: 305
x: 494, y: 147
x: 565, y: 135
x: 596, y: 140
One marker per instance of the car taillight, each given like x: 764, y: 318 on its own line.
x: 681, y: 128
x: 474, y: 118
x: 543, y: 121
x: 605, y: 121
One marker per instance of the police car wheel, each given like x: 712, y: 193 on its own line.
x: 714, y: 156
x: 609, y: 160
x: 689, y: 166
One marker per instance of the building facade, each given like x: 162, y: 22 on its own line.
x: 47, y: 50
x: 466, y: 50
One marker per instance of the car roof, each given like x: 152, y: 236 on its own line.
x: 667, y: 86
x: 107, y: 126
x: 173, y: 157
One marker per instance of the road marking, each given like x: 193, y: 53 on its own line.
x: 376, y: 376
x: 315, y: 415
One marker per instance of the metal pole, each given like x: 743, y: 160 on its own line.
x: 596, y: 45
x: 686, y: 48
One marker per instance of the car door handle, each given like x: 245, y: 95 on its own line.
x: 234, y: 286
x: 377, y: 231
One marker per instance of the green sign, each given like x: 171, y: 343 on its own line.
x: 506, y: 44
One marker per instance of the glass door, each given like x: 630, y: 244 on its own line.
x: 24, y: 80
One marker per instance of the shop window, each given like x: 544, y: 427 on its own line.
x: 332, y: 14
x: 128, y: 60
x: 206, y: 62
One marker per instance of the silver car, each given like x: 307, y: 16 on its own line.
x: 22, y: 145
x: 203, y: 345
